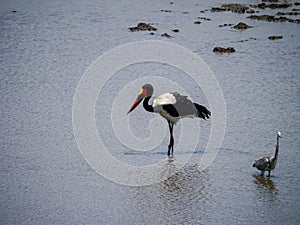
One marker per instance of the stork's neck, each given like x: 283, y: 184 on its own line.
x: 146, y: 105
x: 277, y: 148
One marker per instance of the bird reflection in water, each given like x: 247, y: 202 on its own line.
x: 266, y: 183
x: 171, y: 172
x: 183, y: 179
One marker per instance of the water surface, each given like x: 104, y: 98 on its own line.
x: 45, y: 49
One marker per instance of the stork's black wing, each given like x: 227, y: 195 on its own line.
x: 185, y: 107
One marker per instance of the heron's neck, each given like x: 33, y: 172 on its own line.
x: 146, y: 105
x: 277, y: 148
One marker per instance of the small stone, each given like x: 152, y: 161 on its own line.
x: 166, y: 35
x: 197, y: 22
x: 176, y: 30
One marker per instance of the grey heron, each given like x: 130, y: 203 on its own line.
x: 268, y: 163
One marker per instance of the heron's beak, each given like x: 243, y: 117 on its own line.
x: 141, y: 96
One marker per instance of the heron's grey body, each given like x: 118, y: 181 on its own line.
x: 268, y: 163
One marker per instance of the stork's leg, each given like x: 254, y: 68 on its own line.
x: 269, y: 174
x: 262, y: 172
x: 171, y: 144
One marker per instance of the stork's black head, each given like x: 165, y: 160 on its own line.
x: 146, y: 91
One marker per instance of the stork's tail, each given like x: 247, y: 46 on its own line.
x: 202, y: 111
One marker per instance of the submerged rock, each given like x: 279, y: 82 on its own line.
x: 204, y: 18
x: 241, y: 26
x: 274, y: 37
x: 224, y: 50
x: 142, y: 27
x: 226, y: 25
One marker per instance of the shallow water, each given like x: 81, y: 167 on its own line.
x: 45, y: 49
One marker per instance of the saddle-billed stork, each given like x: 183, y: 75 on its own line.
x: 171, y: 106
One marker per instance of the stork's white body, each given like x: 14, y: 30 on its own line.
x: 168, y: 99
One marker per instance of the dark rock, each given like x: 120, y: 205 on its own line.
x: 250, y: 11
x: 297, y: 3
x: 166, y: 35
x: 295, y: 10
x: 270, y: 1
x: 171, y: 3
x: 142, y: 27
x: 273, y: 6
x: 175, y: 30
x: 241, y: 26
x: 269, y: 18
x: 14, y: 11
x: 166, y: 10
x: 216, y: 9
x: 287, y: 13
x: 197, y: 22
x: 275, y: 37
x: 294, y: 21
x: 224, y: 50
x: 262, y: 17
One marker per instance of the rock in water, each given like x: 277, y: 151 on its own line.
x: 224, y: 50
x: 241, y: 26
x: 142, y: 27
